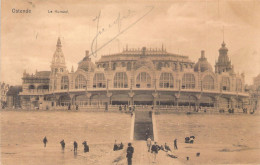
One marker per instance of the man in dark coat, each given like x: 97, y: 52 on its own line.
x: 175, y: 144
x: 75, y: 146
x: 115, y: 146
x: 129, y: 153
x: 45, y: 141
x: 62, y: 143
x: 155, y: 148
x: 121, y: 146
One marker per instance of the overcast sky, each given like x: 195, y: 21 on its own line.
x: 28, y: 41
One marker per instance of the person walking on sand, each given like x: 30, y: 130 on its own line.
x: 86, y: 147
x: 155, y: 149
x: 62, y: 143
x: 175, y: 144
x: 75, y: 146
x: 129, y: 153
x: 149, y: 143
x: 45, y: 141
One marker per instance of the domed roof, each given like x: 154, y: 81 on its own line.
x: 86, y: 63
x: 223, y: 47
x: 144, y: 62
x: 202, y: 64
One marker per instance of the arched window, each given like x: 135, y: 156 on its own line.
x: 99, y: 81
x: 225, y: 84
x: 64, y: 82
x: 208, y: 82
x: 166, y: 80
x: 143, y: 80
x: 120, y: 80
x: 239, y: 85
x: 31, y: 87
x: 188, y: 81
x: 80, y: 82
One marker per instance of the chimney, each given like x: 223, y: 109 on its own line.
x: 202, y: 54
x: 87, y: 53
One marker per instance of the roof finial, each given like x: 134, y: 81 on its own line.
x: 58, y: 42
x: 223, y: 31
x: 162, y: 47
x: 59, y: 30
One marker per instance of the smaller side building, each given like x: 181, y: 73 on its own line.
x: 255, y: 93
x: 3, y: 90
x: 13, y: 98
x: 34, y: 87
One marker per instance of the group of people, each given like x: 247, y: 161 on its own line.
x: 118, y: 146
x: 190, y: 139
x: 69, y: 107
x: 125, y: 107
x: 62, y: 143
x: 155, y: 148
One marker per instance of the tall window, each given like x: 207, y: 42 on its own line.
x: 239, y: 85
x: 129, y: 66
x: 99, y: 81
x: 64, y: 82
x: 114, y: 66
x: 208, y: 82
x: 143, y: 80
x: 159, y: 66
x: 225, y: 84
x: 80, y: 82
x: 166, y: 80
x: 55, y: 84
x: 31, y: 87
x: 120, y: 80
x: 188, y: 81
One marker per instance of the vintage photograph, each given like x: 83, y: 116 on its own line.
x: 130, y: 82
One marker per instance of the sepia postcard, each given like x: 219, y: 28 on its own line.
x: 129, y: 82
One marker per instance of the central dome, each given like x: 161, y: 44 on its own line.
x: 86, y: 63
x: 203, y: 64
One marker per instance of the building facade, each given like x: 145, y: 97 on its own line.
x: 255, y: 93
x: 4, y: 89
x: 13, y: 98
x: 138, y: 77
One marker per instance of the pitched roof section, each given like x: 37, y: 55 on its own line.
x: 14, y: 90
x: 153, y: 54
x: 43, y: 74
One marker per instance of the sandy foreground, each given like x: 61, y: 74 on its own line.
x: 220, y: 138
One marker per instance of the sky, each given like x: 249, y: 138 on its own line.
x: 28, y: 40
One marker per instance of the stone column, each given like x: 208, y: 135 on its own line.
x: 88, y: 95
x: 109, y: 95
x: 232, y: 101
x: 155, y: 96
x: 198, y: 96
x: 216, y: 102
x: 131, y: 95
x: 177, y: 96
x: 55, y: 100
x: 72, y: 101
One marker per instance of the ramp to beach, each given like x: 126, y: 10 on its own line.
x: 143, y: 121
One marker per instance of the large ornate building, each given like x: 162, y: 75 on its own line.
x: 137, y: 76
